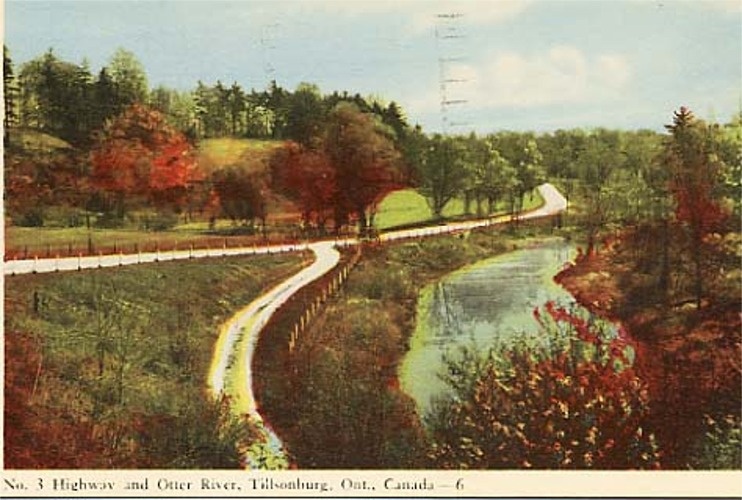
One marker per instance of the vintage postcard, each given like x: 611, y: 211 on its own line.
x: 317, y: 248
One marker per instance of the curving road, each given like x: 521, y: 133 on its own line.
x: 256, y: 315
x: 554, y: 203
x: 231, y: 367
x: 27, y: 266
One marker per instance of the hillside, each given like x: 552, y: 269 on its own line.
x: 32, y: 141
x: 217, y: 153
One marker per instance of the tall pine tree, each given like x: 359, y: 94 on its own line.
x: 10, y: 94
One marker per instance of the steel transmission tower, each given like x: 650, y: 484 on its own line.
x: 268, y: 45
x: 446, y: 33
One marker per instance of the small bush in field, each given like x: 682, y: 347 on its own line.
x: 381, y: 283
x: 159, y: 221
x: 33, y: 217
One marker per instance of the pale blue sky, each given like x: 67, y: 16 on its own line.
x: 528, y: 65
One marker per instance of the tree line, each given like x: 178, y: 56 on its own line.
x: 67, y: 100
x: 135, y: 147
x: 342, y: 153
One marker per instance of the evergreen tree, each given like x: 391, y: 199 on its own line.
x: 306, y: 113
x: 236, y: 103
x: 694, y: 167
x: 55, y: 97
x: 10, y: 95
x: 129, y: 77
x: 104, y: 97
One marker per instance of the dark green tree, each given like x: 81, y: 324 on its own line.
x: 442, y: 172
x: 10, y: 95
x: 306, y: 114
x: 237, y: 108
x: 105, y: 102
x: 129, y: 77
x: 394, y: 116
x: 241, y: 195
x: 55, y: 97
x: 277, y: 100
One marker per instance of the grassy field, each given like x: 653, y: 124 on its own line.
x: 34, y: 141
x: 214, y: 154
x: 127, y: 351
x: 26, y: 242
x: 407, y: 206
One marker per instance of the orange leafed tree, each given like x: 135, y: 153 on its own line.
x: 575, y: 402
x: 138, y: 155
x: 307, y: 177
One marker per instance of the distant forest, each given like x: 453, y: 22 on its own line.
x: 127, y: 145
x: 68, y: 101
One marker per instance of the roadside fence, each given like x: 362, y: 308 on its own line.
x: 80, y: 261
x: 331, y: 286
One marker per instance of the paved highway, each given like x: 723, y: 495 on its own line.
x: 235, y: 346
x: 554, y: 202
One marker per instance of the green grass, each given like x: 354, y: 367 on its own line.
x: 404, y: 207
x: 27, y: 241
x: 221, y: 152
x: 407, y: 206
x: 32, y: 140
x: 163, y: 319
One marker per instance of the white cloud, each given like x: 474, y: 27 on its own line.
x: 614, y: 70
x: 564, y: 74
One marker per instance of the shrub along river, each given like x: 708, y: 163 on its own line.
x: 485, y: 305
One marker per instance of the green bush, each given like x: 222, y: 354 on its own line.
x: 160, y: 221
x: 33, y: 217
x: 721, y: 445
x: 391, y: 283
x: 109, y: 220
x: 64, y: 216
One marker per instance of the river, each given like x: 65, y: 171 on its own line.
x: 486, y: 304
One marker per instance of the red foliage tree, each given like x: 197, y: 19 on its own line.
x: 364, y: 159
x: 37, y: 436
x: 352, y: 166
x: 307, y: 177
x: 577, y: 404
x: 139, y: 155
x: 694, y: 168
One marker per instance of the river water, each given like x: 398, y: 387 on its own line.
x: 487, y: 304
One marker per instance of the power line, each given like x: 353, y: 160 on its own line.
x: 446, y: 31
x: 267, y: 44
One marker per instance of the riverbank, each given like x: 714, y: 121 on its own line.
x: 336, y: 401
x: 689, y: 358
x: 486, y: 305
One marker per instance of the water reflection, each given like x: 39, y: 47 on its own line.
x: 487, y: 304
